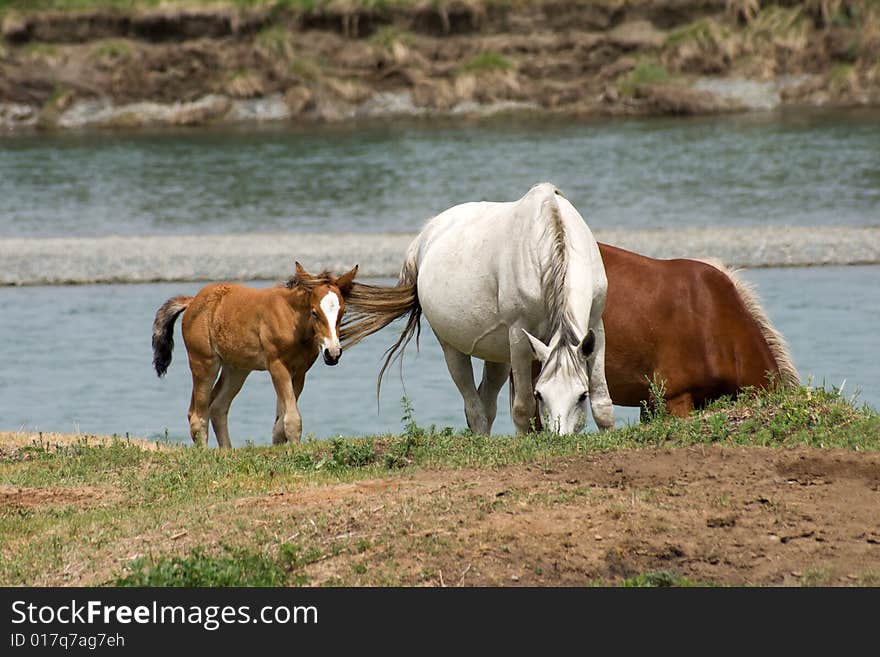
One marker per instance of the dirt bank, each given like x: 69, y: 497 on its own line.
x: 706, y: 514
x: 343, y: 61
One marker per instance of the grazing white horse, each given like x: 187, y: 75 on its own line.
x: 508, y: 283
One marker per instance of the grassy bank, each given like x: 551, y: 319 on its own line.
x: 27, y: 6
x: 120, y: 514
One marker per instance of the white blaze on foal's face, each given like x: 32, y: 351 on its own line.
x: 330, y: 347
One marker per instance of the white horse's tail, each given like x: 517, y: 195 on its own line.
x: 370, y: 308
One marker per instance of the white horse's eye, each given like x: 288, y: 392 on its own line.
x: 582, y: 398
x: 538, y: 396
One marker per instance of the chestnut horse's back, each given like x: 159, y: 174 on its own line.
x: 695, y: 325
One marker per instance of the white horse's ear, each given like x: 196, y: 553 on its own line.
x: 588, y: 344
x: 539, y: 349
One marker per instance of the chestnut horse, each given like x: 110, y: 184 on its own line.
x: 693, y: 324
x: 232, y: 330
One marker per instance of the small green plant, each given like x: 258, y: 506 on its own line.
x: 235, y: 567
x: 387, y: 35
x: 40, y: 49
x: 293, y: 556
x: 655, y: 407
x: 645, y: 72
x: 111, y: 50
x: 351, y: 453
x: 304, y: 68
x: 411, y: 428
x: 485, y: 62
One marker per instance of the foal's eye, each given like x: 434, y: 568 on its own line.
x: 314, y: 313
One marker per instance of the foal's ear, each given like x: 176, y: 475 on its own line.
x: 588, y: 344
x: 346, y: 281
x: 539, y: 349
x: 299, y: 270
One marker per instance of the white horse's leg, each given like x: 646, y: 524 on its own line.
x: 462, y: 372
x: 600, y: 398
x: 494, y: 376
x: 289, y: 427
x: 228, y: 386
x: 522, y: 405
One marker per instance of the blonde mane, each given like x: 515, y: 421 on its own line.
x: 788, y: 374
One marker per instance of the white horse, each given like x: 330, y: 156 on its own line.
x: 507, y: 283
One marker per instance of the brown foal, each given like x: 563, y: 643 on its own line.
x: 233, y: 330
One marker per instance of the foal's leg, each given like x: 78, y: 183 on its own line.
x: 494, y: 376
x: 600, y: 398
x: 298, y: 380
x: 522, y: 403
x: 204, y: 371
x: 289, y: 428
x: 230, y: 383
x: 462, y: 372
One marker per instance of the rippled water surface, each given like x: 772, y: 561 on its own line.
x: 770, y: 168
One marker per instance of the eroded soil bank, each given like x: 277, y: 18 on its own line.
x: 343, y: 61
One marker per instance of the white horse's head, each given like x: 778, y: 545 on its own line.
x: 562, y: 389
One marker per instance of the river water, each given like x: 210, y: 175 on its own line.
x: 755, y: 169
x: 77, y: 358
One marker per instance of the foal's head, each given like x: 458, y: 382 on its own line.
x: 562, y: 388
x: 326, y: 306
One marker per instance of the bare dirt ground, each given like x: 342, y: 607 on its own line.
x: 708, y: 514
x: 734, y: 516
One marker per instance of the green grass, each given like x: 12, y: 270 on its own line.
x: 486, y: 61
x: 31, y: 6
x: 235, y: 567
x: 156, y: 494
x: 387, y: 35
x: 808, y: 416
x: 645, y: 72
x: 111, y: 50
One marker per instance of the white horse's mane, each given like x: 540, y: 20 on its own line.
x: 555, y: 291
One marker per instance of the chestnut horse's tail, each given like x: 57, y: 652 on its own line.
x: 788, y: 374
x: 163, y: 332
x: 369, y: 308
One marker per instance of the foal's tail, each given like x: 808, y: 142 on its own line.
x: 163, y: 332
x: 369, y: 308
